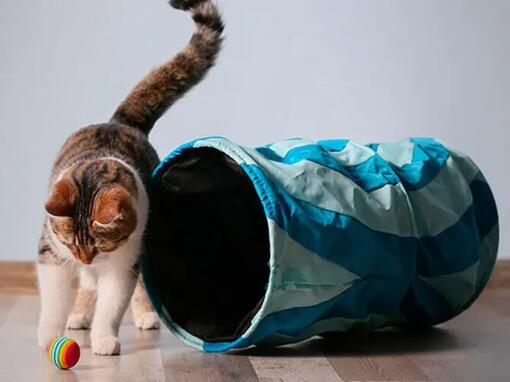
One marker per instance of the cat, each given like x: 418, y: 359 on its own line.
x: 98, y: 204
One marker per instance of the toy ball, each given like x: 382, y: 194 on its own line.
x: 64, y: 353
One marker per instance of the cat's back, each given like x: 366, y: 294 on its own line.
x: 108, y: 140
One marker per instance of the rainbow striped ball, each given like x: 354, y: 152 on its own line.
x: 64, y: 352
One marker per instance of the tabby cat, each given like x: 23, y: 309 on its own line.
x: 97, y: 206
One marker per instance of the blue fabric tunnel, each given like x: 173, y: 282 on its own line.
x: 276, y: 244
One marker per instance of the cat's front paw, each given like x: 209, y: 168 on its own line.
x: 107, y: 345
x: 47, y: 333
x: 147, y: 321
x: 78, y: 321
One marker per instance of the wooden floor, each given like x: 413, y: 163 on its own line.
x: 472, y: 347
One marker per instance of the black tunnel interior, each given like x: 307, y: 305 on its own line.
x: 207, y: 245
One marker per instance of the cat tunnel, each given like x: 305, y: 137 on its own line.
x: 274, y: 245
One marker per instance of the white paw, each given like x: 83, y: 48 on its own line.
x: 108, y: 345
x: 47, y: 333
x: 147, y: 321
x: 78, y: 321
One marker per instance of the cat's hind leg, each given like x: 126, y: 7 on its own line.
x: 141, y: 307
x: 85, y: 302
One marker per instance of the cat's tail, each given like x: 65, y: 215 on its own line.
x: 164, y: 85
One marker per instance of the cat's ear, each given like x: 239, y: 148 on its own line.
x: 61, y: 201
x: 114, y: 216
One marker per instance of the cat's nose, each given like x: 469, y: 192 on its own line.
x: 86, y: 260
x: 86, y: 256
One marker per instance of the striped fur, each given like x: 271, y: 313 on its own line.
x: 98, y: 206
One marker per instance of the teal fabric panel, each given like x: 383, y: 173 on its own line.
x: 404, y: 225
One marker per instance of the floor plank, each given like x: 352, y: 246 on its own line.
x: 183, y: 365
x: 293, y: 369
x: 7, y: 301
x: 18, y: 277
x: 384, y: 368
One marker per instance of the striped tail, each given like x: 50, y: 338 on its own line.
x: 161, y: 87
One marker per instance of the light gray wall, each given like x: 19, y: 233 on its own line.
x: 366, y: 70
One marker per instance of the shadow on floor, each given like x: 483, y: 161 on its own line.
x: 382, y: 342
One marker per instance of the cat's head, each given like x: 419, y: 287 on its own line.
x: 92, y: 208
